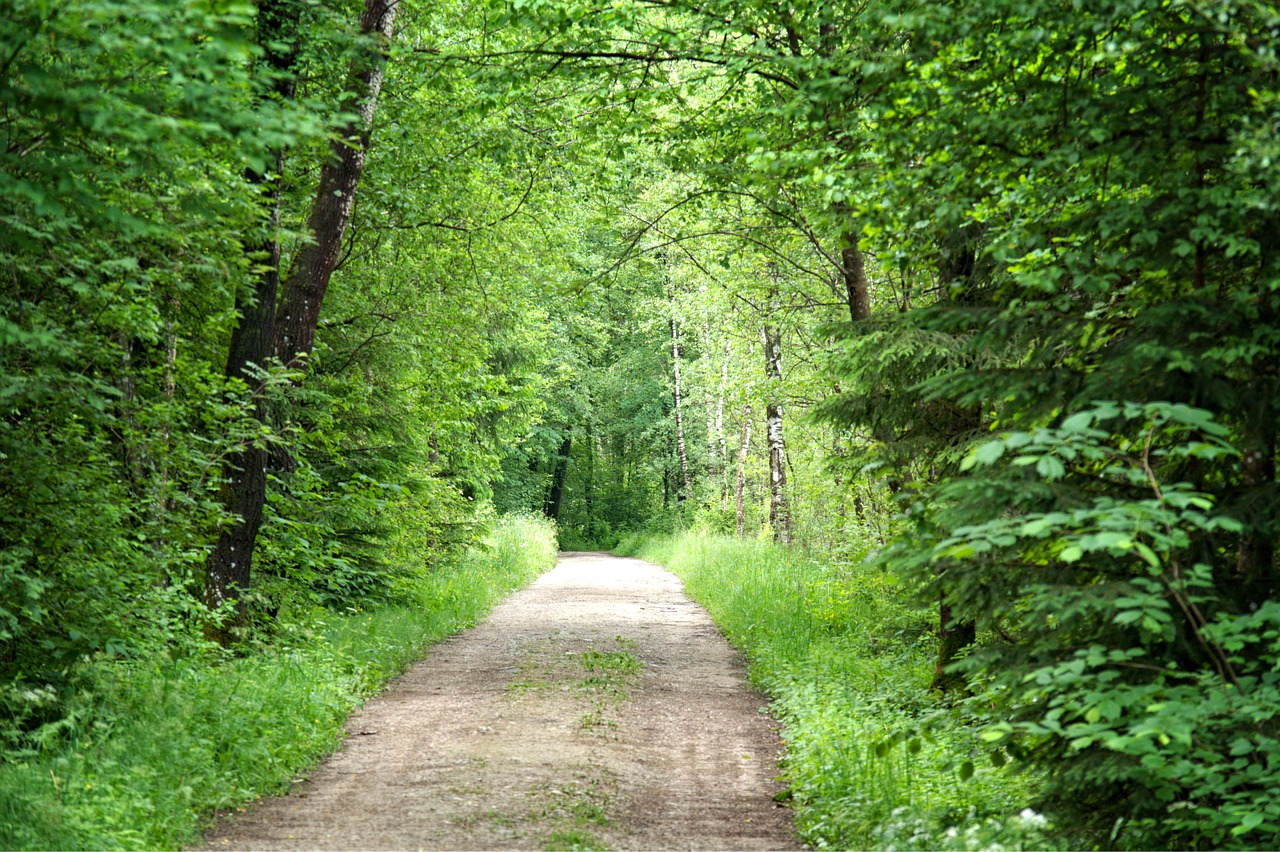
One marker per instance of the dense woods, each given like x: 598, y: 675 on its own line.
x: 296, y: 297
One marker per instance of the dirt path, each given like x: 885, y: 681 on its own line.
x: 597, y: 709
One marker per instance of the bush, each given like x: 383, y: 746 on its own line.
x: 1138, y: 678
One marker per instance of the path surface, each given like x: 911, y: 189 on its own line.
x: 598, y: 708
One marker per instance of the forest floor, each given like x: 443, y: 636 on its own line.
x: 599, y: 708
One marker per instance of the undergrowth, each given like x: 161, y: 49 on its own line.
x: 148, y: 753
x: 872, y: 759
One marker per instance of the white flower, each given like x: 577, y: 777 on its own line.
x: 1030, y: 817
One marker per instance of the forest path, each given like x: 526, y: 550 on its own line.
x: 597, y: 708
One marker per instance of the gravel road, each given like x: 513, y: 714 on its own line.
x: 599, y: 708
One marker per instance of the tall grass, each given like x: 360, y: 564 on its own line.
x: 872, y: 759
x: 150, y: 751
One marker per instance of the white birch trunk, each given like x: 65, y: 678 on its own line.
x: 680, y: 445
x: 740, y: 490
x: 779, y: 510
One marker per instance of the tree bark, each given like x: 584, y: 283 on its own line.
x: 958, y: 264
x: 854, y: 271
x: 244, y: 477
x: 779, y: 509
x: 720, y: 436
x: 740, y: 488
x: 1256, y: 574
x: 304, y: 289
x: 244, y: 484
x: 953, y: 637
x: 163, y: 500
x: 681, y: 451
x: 555, y: 499
x: 589, y: 489
x: 715, y: 461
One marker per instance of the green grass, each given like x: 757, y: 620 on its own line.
x: 873, y: 760
x: 608, y: 677
x: 573, y: 841
x: 573, y: 809
x: 150, y: 752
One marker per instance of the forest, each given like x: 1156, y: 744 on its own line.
x: 324, y: 323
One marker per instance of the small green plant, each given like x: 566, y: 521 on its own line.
x: 573, y: 840
x: 535, y: 670
x: 573, y: 808
x: 596, y: 719
x: 609, y: 674
x: 610, y: 662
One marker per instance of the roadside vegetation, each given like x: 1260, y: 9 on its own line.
x: 847, y: 656
x: 145, y: 752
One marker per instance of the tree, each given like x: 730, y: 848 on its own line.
x: 244, y: 479
x: 779, y: 508
x: 292, y: 331
x: 1121, y: 344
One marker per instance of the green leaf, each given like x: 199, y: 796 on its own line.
x: 1078, y: 422
x: 1248, y: 823
x: 989, y: 452
x: 1147, y: 554
x: 1050, y: 468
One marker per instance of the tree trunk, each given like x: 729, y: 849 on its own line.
x: 589, y: 489
x: 244, y: 477
x: 953, y: 637
x: 715, y: 461
x: 724, y: 385
x: 164, y: 500
x: 304, y: 289
x: 779, y: 510
x: 1256, y: 576
x: 740, y: 489
x: 681, y: 451
x: 958, y: 265
x: 854, y: 271
x: 555, y: 500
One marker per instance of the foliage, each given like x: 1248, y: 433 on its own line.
x: 133, y: 133
x: 1149, y: 699
x: 149, y: 750
x: 127, y: 130
x: 1050, y: 206
x: 1088, y: 163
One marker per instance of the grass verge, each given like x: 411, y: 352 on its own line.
x: 872, y: 760
x: 150, y: 752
